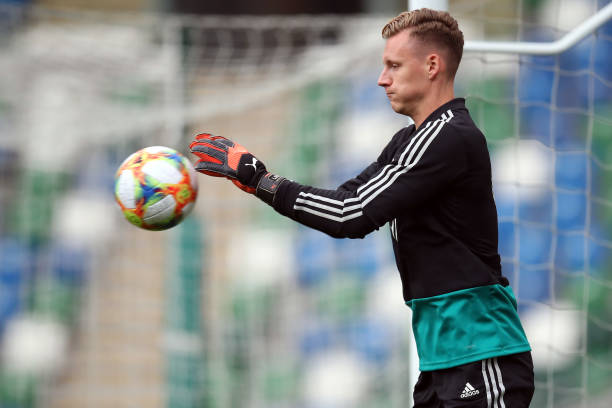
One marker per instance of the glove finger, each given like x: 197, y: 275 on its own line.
x: 214, y: 159
x: 212, y: 173
x: 208, y: 167
x: 218, y: 141
x: 222, y: 143
x: 209, y: 139
x: 225, y: 142
x: 207, y: 146
x: 205, y: 136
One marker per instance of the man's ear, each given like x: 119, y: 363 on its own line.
x: 434, y: 65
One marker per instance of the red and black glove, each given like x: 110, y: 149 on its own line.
x: 220, y: 157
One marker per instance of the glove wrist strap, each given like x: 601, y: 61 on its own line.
x: 268, y: 186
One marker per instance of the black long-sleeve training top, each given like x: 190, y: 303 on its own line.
x: 432, y: 185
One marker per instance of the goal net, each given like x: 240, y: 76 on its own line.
x: 547, y: 122
x: 237, y: 306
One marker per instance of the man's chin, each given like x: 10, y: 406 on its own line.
x: 398, y: 108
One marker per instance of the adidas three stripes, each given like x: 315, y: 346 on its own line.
x: 499, y: 382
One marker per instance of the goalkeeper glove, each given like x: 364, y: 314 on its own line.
x: 220, y: 157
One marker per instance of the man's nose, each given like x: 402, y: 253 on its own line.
x: 383, y: 79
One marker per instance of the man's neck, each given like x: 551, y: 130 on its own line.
x: 431, y: 102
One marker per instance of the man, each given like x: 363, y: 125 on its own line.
x: 432, y: 185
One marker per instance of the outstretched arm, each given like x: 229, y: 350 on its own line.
x: 412, y: 170
x: 335, y: 212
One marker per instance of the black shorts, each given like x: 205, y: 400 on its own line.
x: 500, y: 382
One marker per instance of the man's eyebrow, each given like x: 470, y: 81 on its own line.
x: 387, y: 60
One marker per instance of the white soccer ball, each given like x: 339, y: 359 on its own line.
x: 156, y: 188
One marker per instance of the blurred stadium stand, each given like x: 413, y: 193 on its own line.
x: 238, y: 307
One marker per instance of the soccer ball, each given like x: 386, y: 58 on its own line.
x: 156, y: 188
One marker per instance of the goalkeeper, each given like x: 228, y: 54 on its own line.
x: 432, y: 185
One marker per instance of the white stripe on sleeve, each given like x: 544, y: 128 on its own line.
x: 336, y: 210
x: 327, y: 208
x: 328, y: 216
x: 375, y: 194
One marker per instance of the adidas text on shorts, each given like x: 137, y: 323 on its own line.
x: 499, y: 382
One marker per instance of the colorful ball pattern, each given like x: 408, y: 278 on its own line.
x: 156, y: 188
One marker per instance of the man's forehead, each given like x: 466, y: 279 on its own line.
x: 400, y: 44
x: 401, y: 37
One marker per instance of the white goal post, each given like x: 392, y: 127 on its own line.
x: 544, y: 48
x: 526, y: 47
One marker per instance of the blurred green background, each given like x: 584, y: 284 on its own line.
x: 237, y: 306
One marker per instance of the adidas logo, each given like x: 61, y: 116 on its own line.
x: 469, y: 391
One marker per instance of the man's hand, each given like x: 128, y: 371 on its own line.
x: 220, y: 157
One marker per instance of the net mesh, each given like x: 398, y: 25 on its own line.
x: 237, y: 306
x: 547, y: 120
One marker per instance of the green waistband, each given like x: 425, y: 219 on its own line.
x: 465, y: 326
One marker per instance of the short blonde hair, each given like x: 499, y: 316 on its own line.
x: 431, y: 27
